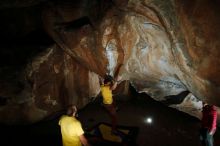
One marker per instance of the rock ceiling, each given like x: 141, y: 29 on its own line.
x: 53, y: 52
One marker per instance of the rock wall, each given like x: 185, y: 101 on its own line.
x: 162, y: 48
x: 157, y: 42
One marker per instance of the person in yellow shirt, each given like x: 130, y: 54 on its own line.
x: 107, y: 86
x: 71, y: 129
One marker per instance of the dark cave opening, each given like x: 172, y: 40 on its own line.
x: 17, y: 52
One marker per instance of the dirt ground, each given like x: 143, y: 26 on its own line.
x: 169, y: 127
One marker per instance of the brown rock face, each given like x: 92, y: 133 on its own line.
x: 199, y: 23
x: 165, y: 48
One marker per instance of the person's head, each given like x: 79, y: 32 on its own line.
x: 204, y: 103
x: 108, y: 79
x: 72, y: 110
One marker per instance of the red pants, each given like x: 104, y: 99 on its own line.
x: 112, y: 112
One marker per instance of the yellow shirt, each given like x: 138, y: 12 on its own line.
x: 71, y: 129
x: 106, y: 94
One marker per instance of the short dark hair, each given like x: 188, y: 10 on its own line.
x: 71, y: 109
x: 108, y: 79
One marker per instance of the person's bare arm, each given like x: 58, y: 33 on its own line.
x: 115, y: 82
x: 113, y: 87
x: 101, y: 80
x: 117, y: 77
x: 84, y: 141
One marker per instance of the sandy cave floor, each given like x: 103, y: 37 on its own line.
x: 169, y: 127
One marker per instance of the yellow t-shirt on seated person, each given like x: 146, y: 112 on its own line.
x: 106, y: 94
x: 71, y: 129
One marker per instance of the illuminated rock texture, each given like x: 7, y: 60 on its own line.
x: 162, y: 48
